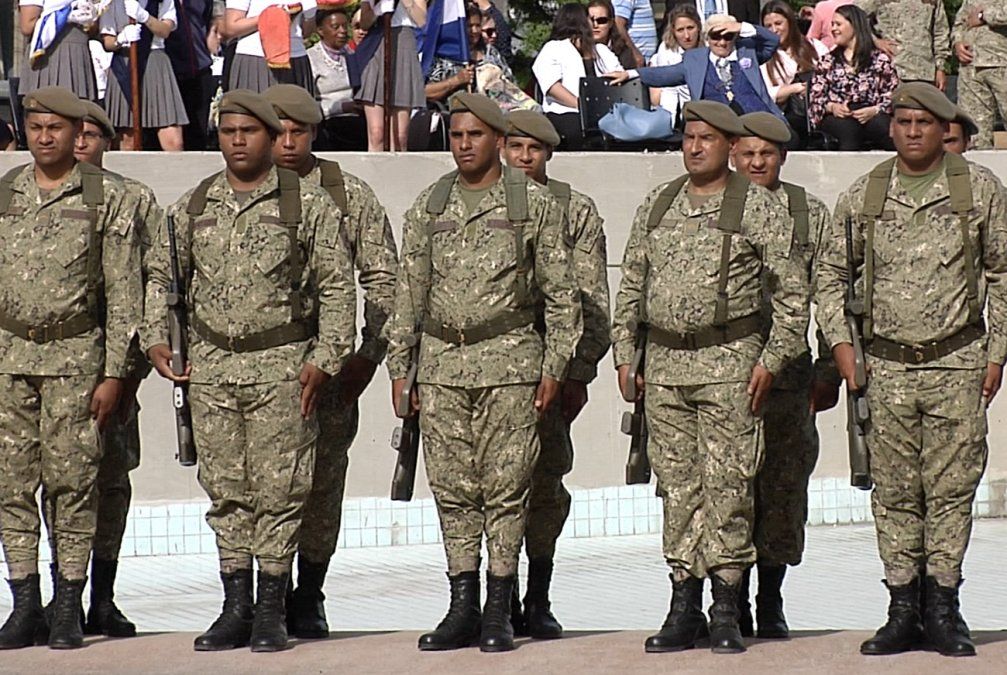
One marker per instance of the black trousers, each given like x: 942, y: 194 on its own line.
x: 343, y: 133
x: 853, y: 136
x: 197, y: 92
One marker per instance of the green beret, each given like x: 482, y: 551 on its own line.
x: 766, y: 126
x: 246, y: 102
x: 292, y: 102
x: 532, y: 124
x: 968, y: 124
x: 716, y: 115
x: 482, y: 107
x: 55, y: 100
x: 923, y: 96
x: 96, y: 115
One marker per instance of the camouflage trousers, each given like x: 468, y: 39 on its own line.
x: 927, y: 444
x: 47, y: 438
x: 980, y: 92
x: 323, y: 512
x: 480, y: 448
x: 781, y: 487
x: 549, y: 505
x: 705, y: 448
x: 256, y: 457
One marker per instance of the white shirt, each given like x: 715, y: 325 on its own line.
x: 559, y: 61
x: 672, y: 98
x: 788, y: 68
x: 252, y: 45
x: 114, y: 19
x: 399, y: 18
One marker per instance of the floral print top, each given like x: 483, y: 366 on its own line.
x: 836, y: 82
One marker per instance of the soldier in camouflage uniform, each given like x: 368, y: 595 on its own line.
x: 272, y: 309
x: 791, y: 439
x: 374, y: 256
x: 693, y: 273
x: 71, y: 305
x: 530, y: 141
x: 918, y: 34
x: 979, y: 35
x: 483, y: 250
x: 961, y: 130
x: 930, y: 247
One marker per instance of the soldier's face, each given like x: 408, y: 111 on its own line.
x: 758, y: 160
x: 918, y: 135
x: 475, y: 145
x: 528, y: 154
x: 90, y: 145
x: 292, y: 148
x: 955, y: 139
x: 51, y: 138
x: 705, y: 149
x: 246, y: 143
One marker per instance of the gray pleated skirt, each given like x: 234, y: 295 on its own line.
x: 251, y: 72
x: 407, y: 79
x: 160, y: 102
x: 67, y: 64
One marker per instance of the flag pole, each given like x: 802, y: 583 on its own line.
x: 134, y: 85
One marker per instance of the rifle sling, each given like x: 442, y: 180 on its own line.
x: 267, y: 339
x: 891, y: 350
x: 495, y: 327
x: 710, y: 336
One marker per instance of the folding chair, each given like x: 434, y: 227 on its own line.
x: 596, y: 100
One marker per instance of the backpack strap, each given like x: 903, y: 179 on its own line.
x: 516, y: 195
x: 960, y: 189
x: 732, y: 210
x: 93, y: 193
x: 797, y: 199
x: 664, y: 200
x: 7, y: 187
x: 875, y: 196
x: 334, y: 183
x: 290, y: 217
x: 561, y: 191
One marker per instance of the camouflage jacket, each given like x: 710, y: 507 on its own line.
x: 669, y: 277
x: 239, y: 282
x: 372, y: 247
x: 989, y: 41
x: 43, y: 275
x: 148, y: 217
x: 590, y: 260
x: 473, y: 279
x: 921, y: 31
x: 920, y: 282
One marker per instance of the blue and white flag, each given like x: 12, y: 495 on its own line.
x: 445, y: 34
x: 49, y: 26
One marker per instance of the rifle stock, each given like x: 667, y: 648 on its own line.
x: 177, y: 337
x: 634, y: 424
x: 857, y: 411
x: 406, y: 439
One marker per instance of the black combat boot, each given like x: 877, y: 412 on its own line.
x: 517, y: 611
x: 902, y: 631
x: 542, y: 625
x: 460, y: 626
x: 54, y: 577
x: 685, y: 623
x: 233, y: 628
x: 269, y: 627
x: 769, y: 603
x: 66, y: 631
x: 725, y: 636
x: 497, y: 635
x: 945, y: 631
x: 745, y: 623
x: 26, y: 625
x: 306, y: 605
x: 103, y: 617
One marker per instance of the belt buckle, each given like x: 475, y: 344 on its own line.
x: 32, y: 332
x: 918, y: 354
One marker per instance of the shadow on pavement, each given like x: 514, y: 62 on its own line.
x: 989, y: 637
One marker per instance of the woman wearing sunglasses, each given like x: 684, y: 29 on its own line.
x: 601, y: 15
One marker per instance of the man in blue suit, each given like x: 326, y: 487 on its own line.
x: 727, y: 71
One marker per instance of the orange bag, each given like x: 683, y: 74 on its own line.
x: 274, y: 34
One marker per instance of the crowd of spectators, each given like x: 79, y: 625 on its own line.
x: 827, y: 68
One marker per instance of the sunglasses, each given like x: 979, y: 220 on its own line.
x: 489, y: 32
x: 723, y: 36
x: 600, y: 20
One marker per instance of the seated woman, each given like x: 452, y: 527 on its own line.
x: 249, y: 69
x: 851, y: 91
x: 601, y: 14
x: 787, y: 74
x: 343, y: 127
x: 681, y: 33
x: 447, y: 76
x: 569, y: 55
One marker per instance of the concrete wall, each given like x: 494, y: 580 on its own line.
x: 617, y: 182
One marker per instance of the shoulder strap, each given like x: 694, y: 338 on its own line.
x: 561, y: 191
x: 197, y: 200
x: 732, y: 210
x: 92, y: 184
x: 875, y: 196
x: 290, y: 216
x: 664, y: 200
x: 333, y: 183
x: 437, y: 201
x: 797, y: 200
x: 516, y: 194
x: 876, y: 191
x: 7, y: 187
x: 960, y: 188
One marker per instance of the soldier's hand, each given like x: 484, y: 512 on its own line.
x: 824, y: 395
x: 573, y: 400
x: 548, y: 390
x: 845, y: 360
x: 941, y: 80
x: 992, y: 381
x: 759, y: 386
x: 105, y: 400
x: 312, y: 380
x: 414, y: 397
x: 160, y: 357
x: 624, y: 380
x: 354, y: 377
x: 964, y: 53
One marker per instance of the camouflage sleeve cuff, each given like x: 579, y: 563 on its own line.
x: 373, y: 350
x: 555, y: 367
x: 772, y: 361
x: 322, y: 357
x: 996, y: 350
x: 582, y: 371
x: 623, y: 353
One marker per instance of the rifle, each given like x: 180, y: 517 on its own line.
x: 177, y: 334
x: 406, y: 437
x: 857, y: 412
x: 634, y: 424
